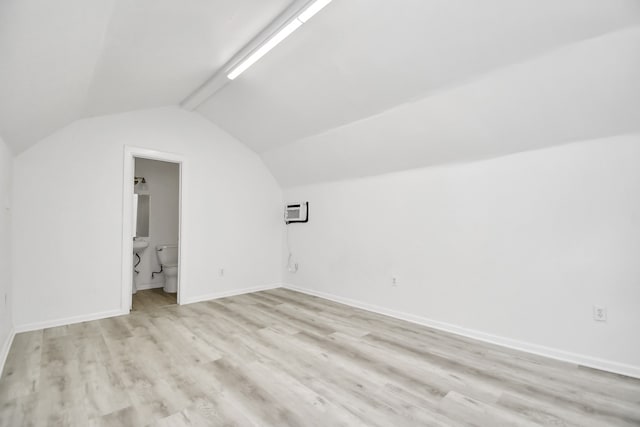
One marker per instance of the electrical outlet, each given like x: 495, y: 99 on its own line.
x: 394, y: 281
x: 599, y: 313
x: 221, y: 272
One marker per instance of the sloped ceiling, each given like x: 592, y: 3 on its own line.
x: 373, y: 86
x: 365, y: 87
x: 579, y: 92
x: 67, y: 59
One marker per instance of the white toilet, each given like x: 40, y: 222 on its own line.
x: 168, y: 256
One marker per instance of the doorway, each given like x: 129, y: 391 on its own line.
x: 152, y: 240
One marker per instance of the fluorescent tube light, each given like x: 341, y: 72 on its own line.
x: 262, y: 51
x: 316, y: 7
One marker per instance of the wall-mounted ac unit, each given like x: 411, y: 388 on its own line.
x: 296, y: 212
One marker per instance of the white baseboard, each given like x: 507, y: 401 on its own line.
x: 553, y: 353
x: 69, y: 320
x: 6, y: 346
x: 145, y: 286
x: 119, y: 312
x: 225, y: 294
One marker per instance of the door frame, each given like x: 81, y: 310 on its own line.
x: 130, y: 154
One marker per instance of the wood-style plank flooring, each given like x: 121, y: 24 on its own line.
x: 281, y: 358
x: 152, y: 299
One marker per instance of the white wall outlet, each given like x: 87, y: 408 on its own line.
x: 599, y: 313
x: 221, y: 272
x: 394, y: 281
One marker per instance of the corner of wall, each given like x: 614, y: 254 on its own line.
x: 4, y: 352
x: 7, y: 331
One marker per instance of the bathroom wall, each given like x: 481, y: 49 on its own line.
x: 6, y: 324
x: 163, y: 179
x: 515, y: 250
x: 68, y: 215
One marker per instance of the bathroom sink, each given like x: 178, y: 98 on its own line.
x: 139, y: 245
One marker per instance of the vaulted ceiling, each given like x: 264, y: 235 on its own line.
x: 365, y: 87
x: 64, y: 60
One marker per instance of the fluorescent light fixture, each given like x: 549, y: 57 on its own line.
x: 262, y: 51
x: 308, y: 13
x: 316, y: 7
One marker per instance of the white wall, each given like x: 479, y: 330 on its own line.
x: 68, y: 214
x: 519, y: 247
x: 163, y: 182
x: 6, y: 166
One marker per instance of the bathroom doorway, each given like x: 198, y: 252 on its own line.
x: 152, y: 229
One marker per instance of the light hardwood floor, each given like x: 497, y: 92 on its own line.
x: 152, y: 299
x: 283, y: 358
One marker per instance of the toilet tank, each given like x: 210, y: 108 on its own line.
x: 167, y: 254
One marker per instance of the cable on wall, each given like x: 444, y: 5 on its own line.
x: 292, y: 268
